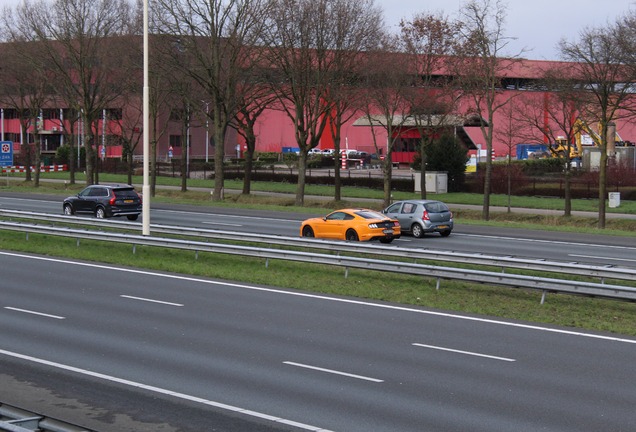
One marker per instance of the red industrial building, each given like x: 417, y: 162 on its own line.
x: 275, y: 132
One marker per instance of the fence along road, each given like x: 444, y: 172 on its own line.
x: 439, y: 272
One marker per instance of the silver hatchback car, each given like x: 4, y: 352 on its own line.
x: 418, y: 217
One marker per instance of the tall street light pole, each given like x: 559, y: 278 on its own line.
x: 146, y: 138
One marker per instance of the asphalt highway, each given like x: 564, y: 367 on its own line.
x: 595, y: 249
x: 121, y: 349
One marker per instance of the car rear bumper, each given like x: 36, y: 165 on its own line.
x: 115, y: 211
x: 438, y: 227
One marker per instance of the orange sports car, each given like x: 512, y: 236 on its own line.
x: 352, y: 225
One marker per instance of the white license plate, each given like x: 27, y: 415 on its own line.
x: 387, y: 231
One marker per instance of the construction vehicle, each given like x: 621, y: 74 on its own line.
x: 584, y: 136
x: 561, y: 148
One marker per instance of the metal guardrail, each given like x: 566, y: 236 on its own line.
x: 439, y: 272
x: 503, y: 262
x: 13, y: 419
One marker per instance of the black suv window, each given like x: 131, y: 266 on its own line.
x: 98, y: 192
x: 125, y: 193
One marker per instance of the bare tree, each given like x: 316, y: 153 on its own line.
x: 605, y: 79
x: 357, y: 29
x: 480, y: 70
x: 552, y: 118
x: 509, y: 134
x: 429, y: 39
x: 25, y: 88
x: 81, y: 40
x: 254, y: 103
x: 164, y: 82
x: 214, y: 42
x: 387, y: 106
x: 306, y: 55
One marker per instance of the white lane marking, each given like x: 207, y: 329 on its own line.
x: 334, y: 299
x: 529, y: 240
x: 163, y: 391
x: 150, y: 300
x: 331, y: 371
x: 602, y: 257
x: 463, y: 352
x: 226, y: 216
x: 221, y: 223
x: 34, y: 313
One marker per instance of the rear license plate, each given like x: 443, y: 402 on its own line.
x: 442, y: 226
x: 129, y: 201
x: 387, y: 231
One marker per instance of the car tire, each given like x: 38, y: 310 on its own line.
x: 445, y: 233
x: 100, y: 213
x: 308, y: 232
x: 351, y: 235
x: 417, y: 231
x: 68, y: 210
x: 132, y: 217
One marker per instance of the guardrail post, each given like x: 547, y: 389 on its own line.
x: 543, y: 296
x: 437, y: 284
x: 346, y: 272
x: 134, y: 248
x: 266, y: 262
x: 196, y: 255
x: 77, y: 243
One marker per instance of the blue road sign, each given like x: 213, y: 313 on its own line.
x: 6, y: 153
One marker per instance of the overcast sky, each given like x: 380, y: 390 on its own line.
x: 538, y: 25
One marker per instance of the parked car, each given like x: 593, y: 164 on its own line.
x: 352, y: 225
x: 418, y: 217
x: 105, y: 201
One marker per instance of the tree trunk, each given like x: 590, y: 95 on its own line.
x: 302, y: 172
x: 337, y: 191
x: 423, y: 170
x: 38, y: 158
x: 387, y: 171
x: 90, y: 159
x: 71, y: 160
x: 602, y: 187
x: 219, y: 154
x: 567, y: 193
x: 487, y: 179
x: 249, y: 166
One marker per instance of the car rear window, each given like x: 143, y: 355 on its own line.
x: 368, y: 214
x: 436, y: 207
x: 125, y: 193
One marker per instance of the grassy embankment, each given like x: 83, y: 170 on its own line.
x: 581, y: 312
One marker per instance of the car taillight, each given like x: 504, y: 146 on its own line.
x: 396, y: 223
x: 112, y: 200
x: 425, y: 216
